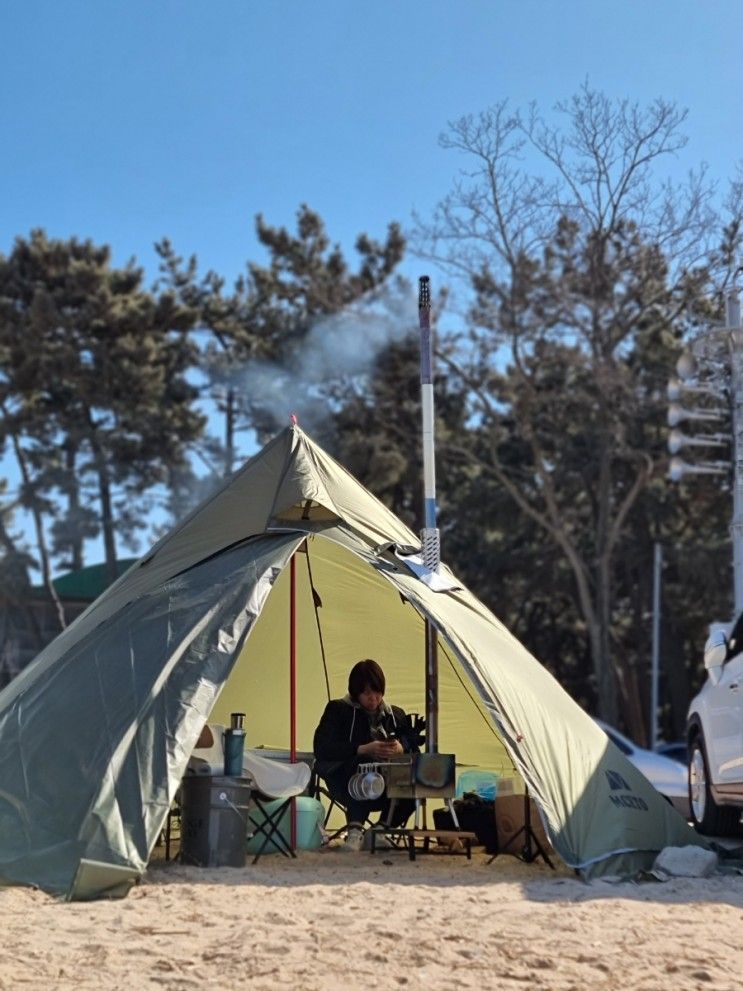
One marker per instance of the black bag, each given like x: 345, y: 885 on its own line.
x: 476, y: 815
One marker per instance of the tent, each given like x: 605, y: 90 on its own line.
x: 95, y: 734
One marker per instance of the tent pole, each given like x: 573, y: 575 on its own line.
x: 432, y: 689
x: 293, y: 684
x: 430, y: 533
x: 317, y: 603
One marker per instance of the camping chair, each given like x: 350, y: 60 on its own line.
x: 319, y: 790
x: 207, y: 757
x: 273, y: 781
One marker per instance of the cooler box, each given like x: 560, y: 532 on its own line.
x: 310, y: 817
x: 482, y: 783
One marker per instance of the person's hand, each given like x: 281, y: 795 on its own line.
x: 380, y: 749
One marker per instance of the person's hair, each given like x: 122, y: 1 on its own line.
x: 365, y: 674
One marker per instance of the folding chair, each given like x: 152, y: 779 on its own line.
x: 319, y: 790
x: 174, y: 820
x: 273, y: 780
x: 207, y: 757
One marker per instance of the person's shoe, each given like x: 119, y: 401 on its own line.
x: 381, y: 842
x: 354, y: 839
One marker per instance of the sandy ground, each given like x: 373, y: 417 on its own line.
x: 334, y: 920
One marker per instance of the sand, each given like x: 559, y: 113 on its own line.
x: 334, y: 920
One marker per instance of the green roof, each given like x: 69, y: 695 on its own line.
x: 88, y: 583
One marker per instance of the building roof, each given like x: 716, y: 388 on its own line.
x: 88, y: 583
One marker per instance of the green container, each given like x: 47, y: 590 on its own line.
x: 310, y: 816
x: 483, y: 783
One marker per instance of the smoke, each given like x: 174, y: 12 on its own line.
x: 335, y: 357
x: 336, y: 354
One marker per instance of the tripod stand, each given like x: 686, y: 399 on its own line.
x: 532, y: 847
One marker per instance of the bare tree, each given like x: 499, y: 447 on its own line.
x: 584, y: 260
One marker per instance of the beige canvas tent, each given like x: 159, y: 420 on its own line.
x: 96, y: 732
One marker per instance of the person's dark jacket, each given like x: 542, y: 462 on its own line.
x: 344, y: 727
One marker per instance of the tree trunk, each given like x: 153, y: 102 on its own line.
x: 675, y: 681
x: 607, y: 683
x: 635, y: 721
x: 46, y: 571
x: 17, y: 592
x: 606, y: 686
x: 107, y: 520
x: 73, y: 506
x: 229, y: 433
x: 602, y: 672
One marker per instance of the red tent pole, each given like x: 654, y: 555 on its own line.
x: 293, y: 684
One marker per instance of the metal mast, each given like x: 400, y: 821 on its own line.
x: 429, y: 534
x: 719, y: 351
x: 736, y: 367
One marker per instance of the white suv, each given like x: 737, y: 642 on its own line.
x: 715, y: 737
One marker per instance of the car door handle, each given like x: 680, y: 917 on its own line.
x: 733, y: 686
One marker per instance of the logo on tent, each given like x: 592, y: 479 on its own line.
x: 617, y: 783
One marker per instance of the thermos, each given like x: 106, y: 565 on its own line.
x: 234, y: 745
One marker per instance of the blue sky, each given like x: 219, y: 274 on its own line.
x: 129, y: 121
x: 125, y: 122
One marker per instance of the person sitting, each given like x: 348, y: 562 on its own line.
x: 358, y: 729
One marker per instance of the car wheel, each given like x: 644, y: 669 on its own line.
x: 708, y: 817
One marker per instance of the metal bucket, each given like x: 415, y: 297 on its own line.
x: 214, y: 821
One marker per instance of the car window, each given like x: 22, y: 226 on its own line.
x: 735, y: 640
x: 618, y: 741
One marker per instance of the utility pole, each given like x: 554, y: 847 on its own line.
x: 655, y: 665
x: 736, y: 375
x: 719, y: 351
